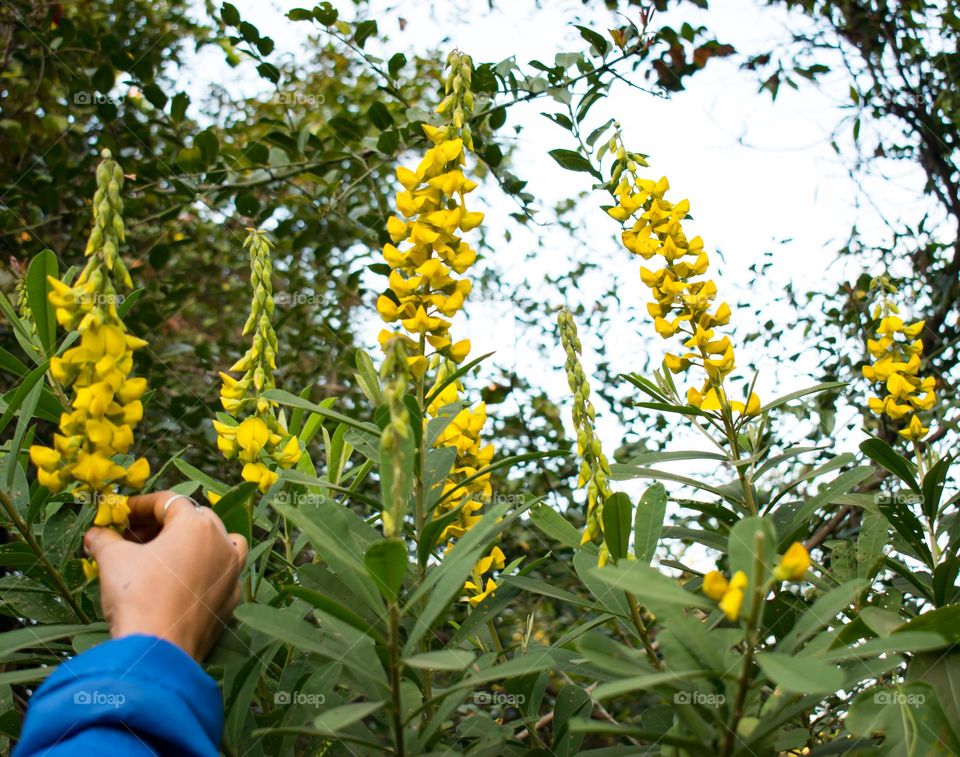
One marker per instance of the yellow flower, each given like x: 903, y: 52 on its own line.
x: 715, y: 585
x: 731, y: 602
x: 728, y: 594
x: 260, y: 474
x: 794, y: 563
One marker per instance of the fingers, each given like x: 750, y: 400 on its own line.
x: 153, y: 508
x: 96, y: 540
x: 240, y: 545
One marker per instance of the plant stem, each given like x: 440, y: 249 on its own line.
x: 642, y: 630
x: 420, y: 518
x: 495, y: 637
x: 395, y: 676
x: 35, y: 547
x: 931, y: 521
x: 743, y: 685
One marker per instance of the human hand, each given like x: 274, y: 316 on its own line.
x: 175, y: 576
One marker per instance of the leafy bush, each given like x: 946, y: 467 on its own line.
x: 383, y: 602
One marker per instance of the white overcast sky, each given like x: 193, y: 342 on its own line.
x: 761, y: 176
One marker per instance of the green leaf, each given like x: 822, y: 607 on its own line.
x: 363, y: 32
x: 445, y: 581
x: 745, y: 538
x: 379, y: 116
x: 933, y: 483
x: 333, y: 721
x: 648, y: 522
x: 887, y: 457
x: 39, y: 636
x: 801, y: 675
x: 652, y: 588
x: 554, y: 525
x: 944, y: 621
x: 897, y: 511
x: 824, y: 387
x: 445, y: 659
x: 386, y: 562
x: 596, y: 40
x: 230, y: 14
x: 908, y: 718
x: 616, y: 524
x: 571, y: 702
x: 821, y: 614
x: 899, y: 642
x: 574, y: 161
x: 644, y: 683
x: 195, y: 474
x: 842, y: 484
x: 18, y: 396
x: 44, y: 264
x: 292, y: 400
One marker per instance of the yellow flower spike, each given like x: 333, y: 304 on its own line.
x: 104, y: 398
x: 794, y: 563
x: 896, y: 354
x: 90, y: 569
x: 428, y: 258
x: 715, y: 585
x: 260, y: 436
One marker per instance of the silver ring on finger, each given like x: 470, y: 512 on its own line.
x: 174, y: 498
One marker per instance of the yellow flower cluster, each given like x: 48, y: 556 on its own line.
x: 594, y: 468
x: 683, y: 304
x: 896, y: 352
x: 428, y: 258
x: 260, y: 440
x: 105, y: 401
x: 792, y: 566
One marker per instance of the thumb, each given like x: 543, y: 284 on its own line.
x: 98, y: 539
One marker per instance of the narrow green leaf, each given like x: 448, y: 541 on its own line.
x: 801, y: 675
x: 43, y: 264
x: 616, y: 524
x: 648, y: 522
x: 887, y: 457
x: 445, y: 659
x: 386, y: 562
x: 331, y: 722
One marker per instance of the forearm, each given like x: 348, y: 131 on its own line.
x: 135, y: 695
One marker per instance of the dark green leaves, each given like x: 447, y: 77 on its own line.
x: 616, y: 524
x: 648, y: 522
x: 574, y: 161
x: 885, y: 456
x: 43, y: 265
x: 387, y: 563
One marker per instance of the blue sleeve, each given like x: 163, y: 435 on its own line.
x: 138, y: 695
